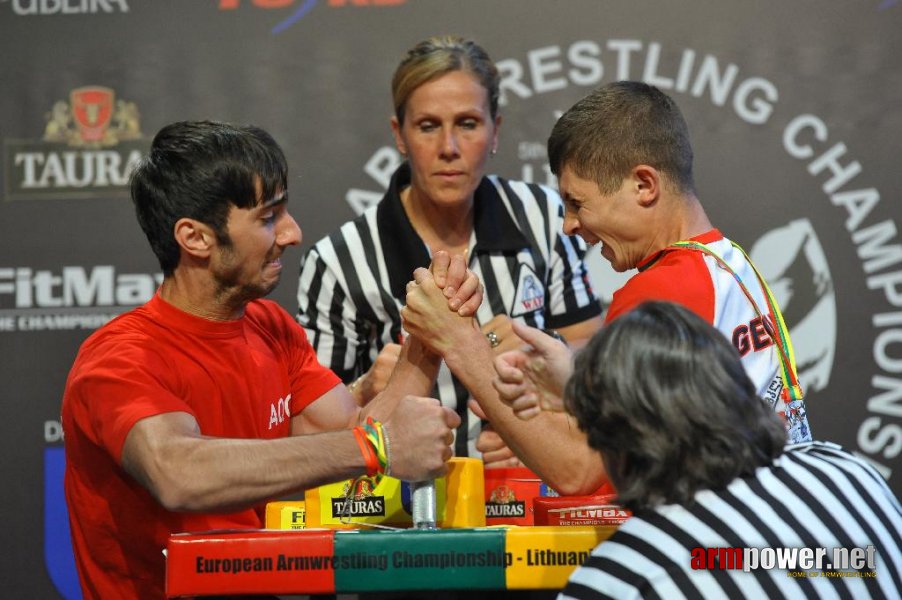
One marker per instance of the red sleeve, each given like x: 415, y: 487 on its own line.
x: 680, y: 276
x: 115, y: 384
x: 309, y: 379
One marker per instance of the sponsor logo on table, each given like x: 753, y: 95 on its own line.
x: 359, y: 502
x: 503, y: 502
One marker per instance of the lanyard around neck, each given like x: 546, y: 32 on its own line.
x: 792, y: 390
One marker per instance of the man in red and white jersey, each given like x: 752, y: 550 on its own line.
x: 624, y: 165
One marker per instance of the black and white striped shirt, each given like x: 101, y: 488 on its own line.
x: 813, y: 496
x: 352, y: 283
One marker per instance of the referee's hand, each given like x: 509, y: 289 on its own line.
x: 500, y: 333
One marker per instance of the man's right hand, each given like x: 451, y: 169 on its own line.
x: 420, y: 433
x: 532, y: 378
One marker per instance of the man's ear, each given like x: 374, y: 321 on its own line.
x: 647, y: 182
x: 194, y: 237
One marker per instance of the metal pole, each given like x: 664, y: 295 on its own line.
x: 422, y: 500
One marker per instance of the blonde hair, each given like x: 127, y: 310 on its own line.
x: 437, y: 56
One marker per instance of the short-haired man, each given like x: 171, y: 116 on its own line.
x: 624, y: 164
x: 190, y: 412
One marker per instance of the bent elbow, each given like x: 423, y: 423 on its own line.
x: 580, y: 487
x: 581, y: 479
x: 174, y: 497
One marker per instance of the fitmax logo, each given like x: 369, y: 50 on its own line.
x: 305, y: 6
x: 74, y: 287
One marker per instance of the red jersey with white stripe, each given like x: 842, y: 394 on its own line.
x: 696, y: 281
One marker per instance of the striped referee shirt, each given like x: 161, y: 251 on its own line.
x: 813, y: 496
x: 352, y: 282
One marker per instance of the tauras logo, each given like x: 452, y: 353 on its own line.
x: 74, y: 169
x: 505, y: 509
x: 90, y: 146
x: 369, y: 506
x: 27, y: 8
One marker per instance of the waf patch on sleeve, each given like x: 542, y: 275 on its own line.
x: 530, y: 293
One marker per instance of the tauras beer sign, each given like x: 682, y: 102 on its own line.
x: 90, y: 146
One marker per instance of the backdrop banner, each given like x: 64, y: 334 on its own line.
x: 793, y: 108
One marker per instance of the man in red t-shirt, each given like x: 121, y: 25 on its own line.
x: 624, y: 165
x: 190, y: 412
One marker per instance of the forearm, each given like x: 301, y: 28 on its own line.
x: 414, y: 375
x: 192, y: 473
x: 550, y: 444
x: 579, y: 334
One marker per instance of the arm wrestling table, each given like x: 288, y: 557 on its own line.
x: 307, y: 549
x: 322, y: 561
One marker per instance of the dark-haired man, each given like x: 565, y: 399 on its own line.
x: 190, y: 412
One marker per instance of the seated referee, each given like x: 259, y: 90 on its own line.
x: 701, y: 461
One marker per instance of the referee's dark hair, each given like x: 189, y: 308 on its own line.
x: 663, y: 397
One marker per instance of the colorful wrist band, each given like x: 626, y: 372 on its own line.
x: 375, y: 434
x: 369, y: 455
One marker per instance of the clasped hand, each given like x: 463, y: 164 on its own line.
x: 463, y: 292
x: 447, y: 284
